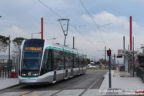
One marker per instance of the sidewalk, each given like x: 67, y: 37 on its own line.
x: 123, y: 80
x: 8, y: 82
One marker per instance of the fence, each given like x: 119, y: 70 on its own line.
x: 140, y: 73
x: 5, y: 68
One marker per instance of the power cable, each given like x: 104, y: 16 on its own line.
x: 86, y: 10
x: 59, y: 16
x: 98, y: 27
x: 54, y: 12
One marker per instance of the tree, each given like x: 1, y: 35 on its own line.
x: 102, y: 60
x: 4, y: 41
x: 88, y: 60
x: 17, y: 42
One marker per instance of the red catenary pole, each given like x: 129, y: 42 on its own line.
x: 42, y: 28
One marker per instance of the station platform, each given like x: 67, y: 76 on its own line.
x: 8, y: 82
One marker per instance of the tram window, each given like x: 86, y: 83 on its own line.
x: 55, y: 59
x: 66, y: 60
x: 81, y: 61
x: 44, y: 64
x: 70, y: 60
x: 50, y: 60
x: 58, y: 60
x: 32, y: 54
x: 77, y: 61
x: 85, y: 60
x: 141, y: 60
x: 61, y: 58
x: 47, y: 62
x: 73, y: 60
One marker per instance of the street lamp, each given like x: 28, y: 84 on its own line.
x: 9, y: 61
x: 35, y: 33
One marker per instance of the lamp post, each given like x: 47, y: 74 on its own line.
x: 9, y: 61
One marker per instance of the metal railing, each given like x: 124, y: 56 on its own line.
x: 5, y: 70
x: 140, y: 73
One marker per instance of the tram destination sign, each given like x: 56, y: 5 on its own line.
x: 33, y: 48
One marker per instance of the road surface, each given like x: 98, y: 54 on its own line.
x: 76, y: 86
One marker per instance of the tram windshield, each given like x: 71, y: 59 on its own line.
x: 32, y: 54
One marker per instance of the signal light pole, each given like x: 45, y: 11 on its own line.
x: 105, y: 56
x: 109, y: 54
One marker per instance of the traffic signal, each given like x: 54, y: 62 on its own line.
x: 109, y: 52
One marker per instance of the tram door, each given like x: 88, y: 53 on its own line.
x: 71, y: 64
x: 81, y: 64
x: 77, y: 65
x: 58, y: 65
x: 66, y: 63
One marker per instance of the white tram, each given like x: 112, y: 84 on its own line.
x: 42, y: 63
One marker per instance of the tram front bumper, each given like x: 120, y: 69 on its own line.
x: 34, y: 80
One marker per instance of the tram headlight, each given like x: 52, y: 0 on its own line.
x: 35, y: 74
x: 23, y: 74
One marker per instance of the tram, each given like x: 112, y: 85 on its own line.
x: 48, y: 63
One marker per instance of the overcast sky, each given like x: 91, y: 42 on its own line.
x: 20, y: 18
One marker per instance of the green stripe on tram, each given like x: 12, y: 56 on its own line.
x: 50, y: 47
x: 30, y: 77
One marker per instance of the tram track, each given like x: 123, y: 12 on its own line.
x: 3, y: 90
x: 100, y: 79
x: 55, y: 94
x: 92, y: 80
x: 24, y: 94
x: 92, y: 84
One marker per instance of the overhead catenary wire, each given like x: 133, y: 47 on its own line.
x: 91, y: 17
x: 56, y: 14
x: 72, y: 25
x: 53, y: 11
x: 86, y: 10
